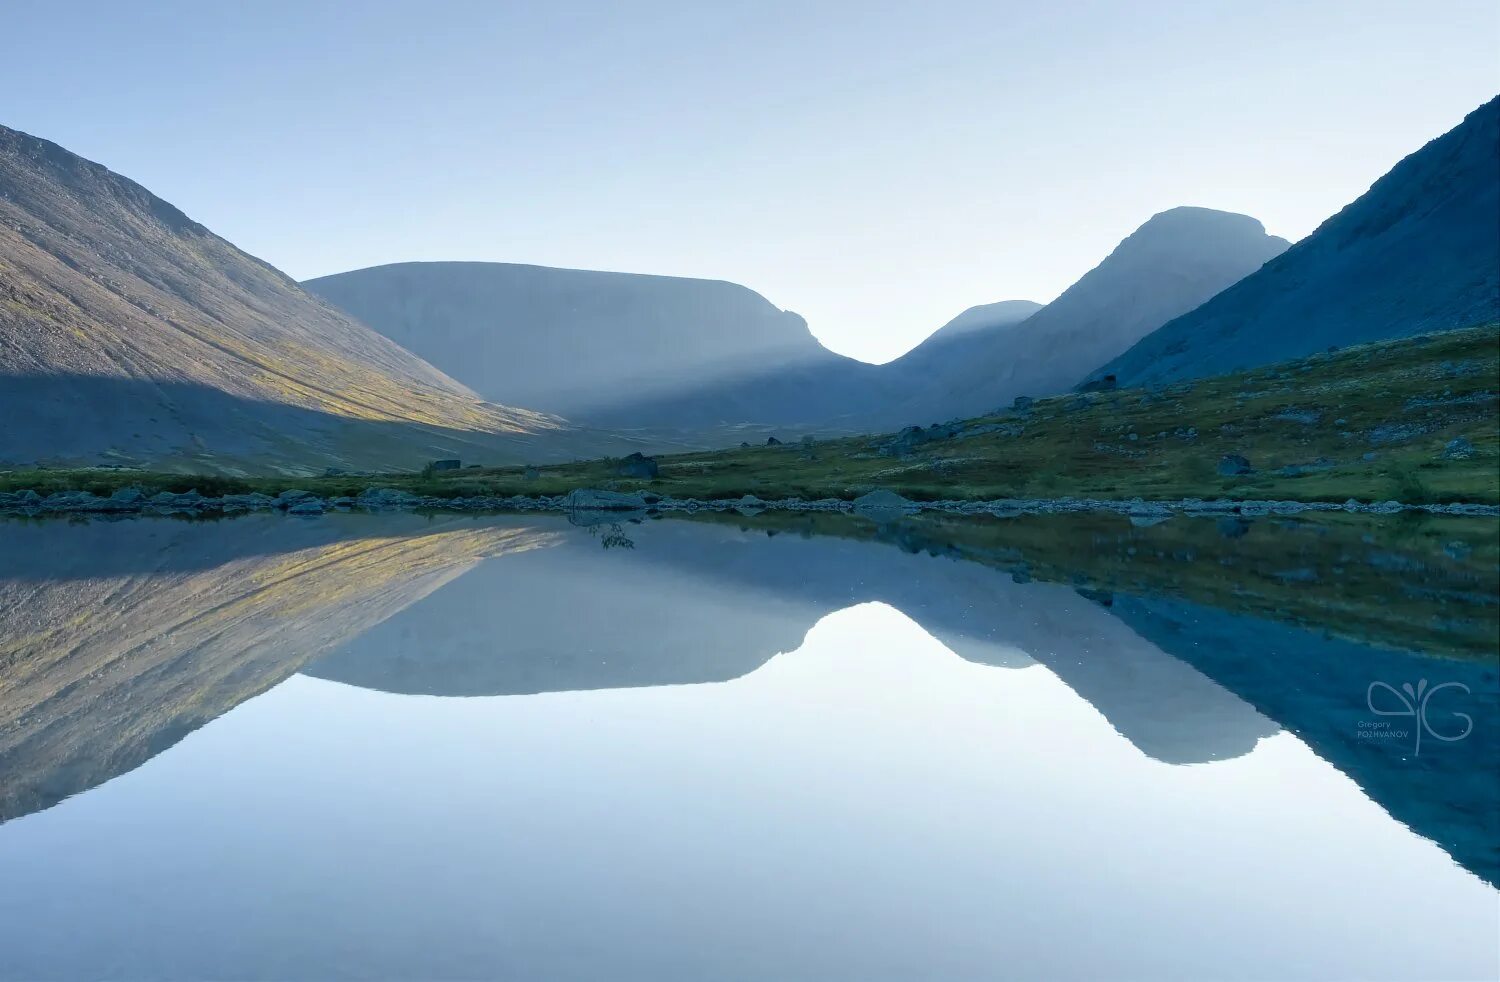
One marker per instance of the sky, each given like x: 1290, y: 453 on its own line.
x: 876, y: 167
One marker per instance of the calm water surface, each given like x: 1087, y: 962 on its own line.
x: 411, y: 747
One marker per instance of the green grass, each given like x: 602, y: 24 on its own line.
x: 1423, y: 392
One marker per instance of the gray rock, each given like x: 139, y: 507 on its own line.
x: 381, y: 499
x: 1022, y: 403
x: 884, y: 500
x: 307, y: 506
x: 1304, y: 417
x: 254, y: 501
x: 288, y: 498
x: 448, y: 464
x: 637, y: 465
x: 591, y: 499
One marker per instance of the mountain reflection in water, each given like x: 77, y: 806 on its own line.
x: 1194, y: 640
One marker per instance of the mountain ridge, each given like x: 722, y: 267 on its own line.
x: 1419, y: 251
x: 127, y: 328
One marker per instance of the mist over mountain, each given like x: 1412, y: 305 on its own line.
x: 1418, y: 252
x: 624, y: 350
x: 572, y: 341
x: 131, y: 334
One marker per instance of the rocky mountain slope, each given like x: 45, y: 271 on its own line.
x: 131, y: 334
x: 1418, y: 252
x: 1171, y: 264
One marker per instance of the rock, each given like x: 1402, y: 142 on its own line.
x: 884, y: 500
x: 381, y: 499
x: 749, y: 505
x: 1022, y: 403
x: 1458, y: 449
x: 343, y: 502
x: 69, y: 501
x: 744, y: 444
x: 448, y: 464
x: 1369, y: 456
x: 334, y: 472
x: 253, y: 501
x: 1395, y: 432
x: 637, y: 465
x: 166, y: 501
x: 1303, y: 417
x: 771, y: 441
x: 1233, y: 465
x: 1108, y: 383
x: 590, y: 499
x: 307, y: 506
x: 288, y: 498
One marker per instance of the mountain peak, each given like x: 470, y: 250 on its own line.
x: 1419, y: 251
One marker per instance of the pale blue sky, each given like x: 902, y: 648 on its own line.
x: 876, y: 167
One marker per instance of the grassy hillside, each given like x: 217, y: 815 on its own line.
x: 1372, y: 422
x: 131, y: 334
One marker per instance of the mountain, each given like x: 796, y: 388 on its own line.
x: 1418, y: 252
x: 131, y: 334
x: 577, y: 342
x: 1171, y: 264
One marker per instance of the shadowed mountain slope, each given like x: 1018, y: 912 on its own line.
x: 579, y: 342
x: 1168, y: 266
x: 707, y: 357
x: 104, y: 284
x: 1418, y: 252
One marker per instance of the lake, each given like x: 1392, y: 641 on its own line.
x: 749, y: 747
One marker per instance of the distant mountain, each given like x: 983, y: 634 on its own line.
x: 131, y: 334
x: 580, y: 343
x: 1171, y: 264
x: 1418, y: 252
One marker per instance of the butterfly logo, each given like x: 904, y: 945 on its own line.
x: 1414, y: 700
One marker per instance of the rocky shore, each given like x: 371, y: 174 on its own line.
x: 621, y: 505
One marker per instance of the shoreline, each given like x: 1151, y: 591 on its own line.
x: 624, y: 505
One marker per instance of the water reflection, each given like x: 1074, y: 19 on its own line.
x: 1194, y: 644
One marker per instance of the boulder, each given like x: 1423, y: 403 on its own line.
x: 771, y: 441
x: 884, y: 500
x: 290, y: 497
x: 379, y: 499
x: 307, y: 506
x: 637, y: 465
x: 449, y: 464
x: 1022, y: 403
x: 592, y: 499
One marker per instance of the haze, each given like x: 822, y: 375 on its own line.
x: 874, y: 167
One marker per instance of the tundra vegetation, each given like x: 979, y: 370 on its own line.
x: 1412, y: 420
